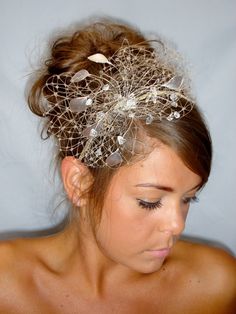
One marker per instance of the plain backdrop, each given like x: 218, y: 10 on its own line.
x: 205, y: 33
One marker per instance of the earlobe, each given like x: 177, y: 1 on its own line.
x: 73, y: 174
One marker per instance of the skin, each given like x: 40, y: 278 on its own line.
x: 122, y: 270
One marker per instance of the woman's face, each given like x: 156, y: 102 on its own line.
x: 145, y: 209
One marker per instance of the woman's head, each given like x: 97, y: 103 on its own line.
x: 110, y: 99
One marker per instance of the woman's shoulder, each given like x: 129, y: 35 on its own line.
x: 210, y: 272
x: 12, y: 274
x: 22, y: 254
x: 29, y: 255
x: 13, y: 251
x: 203, y: 255
x: 18, y: 261
x: 10, y: 256
x: 16, y: 258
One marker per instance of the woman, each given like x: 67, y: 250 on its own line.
x: 134, y: 152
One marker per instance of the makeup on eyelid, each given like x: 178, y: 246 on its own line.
x: 152, y: 205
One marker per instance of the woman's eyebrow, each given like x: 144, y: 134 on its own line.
x: 162, y: 187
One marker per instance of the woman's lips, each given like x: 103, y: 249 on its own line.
x: 161, y: 253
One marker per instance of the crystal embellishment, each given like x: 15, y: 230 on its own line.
x: 173, y: 97
x: 121, y: 140
x: 131, y: 115
x: 90, y: 132
x: 176, y: 115
x: 106, y: 87
x: 98, y: 152
x: 89, y: 102
x: 173, y: 115
x: 93, y: 133
x: 130, y: 104
x: 149, y: 119
x: 170, y: 117
x: 174, y: 104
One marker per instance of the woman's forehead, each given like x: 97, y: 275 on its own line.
x: 162, y: 166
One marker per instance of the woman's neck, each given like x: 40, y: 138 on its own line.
x: 74, y: 253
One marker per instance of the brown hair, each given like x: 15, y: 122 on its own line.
x: 188, y: 136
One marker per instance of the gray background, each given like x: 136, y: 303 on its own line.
x: 204, y: 31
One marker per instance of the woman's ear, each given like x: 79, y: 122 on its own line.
x: 76, y: 179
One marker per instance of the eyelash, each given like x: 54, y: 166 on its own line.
x: 188, y: 200
x: 148, y: 205
x: 158, y: 204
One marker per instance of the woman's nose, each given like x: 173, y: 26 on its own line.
x: 173, y: 221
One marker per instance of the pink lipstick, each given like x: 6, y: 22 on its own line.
x: 162, y: 253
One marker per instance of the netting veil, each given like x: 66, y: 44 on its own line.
x: 93, y: 116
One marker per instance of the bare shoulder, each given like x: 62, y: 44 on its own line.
x: 209, y: 259
x: 8, y: 274
x: 16, y: 265
x: 13, y: 252
x: 212, y: 273
x: 9, y: 259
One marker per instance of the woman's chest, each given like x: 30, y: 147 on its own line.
x: 51, y: 298
x: 54, y: 295
x: 72, y: 305
x: 64, y: 301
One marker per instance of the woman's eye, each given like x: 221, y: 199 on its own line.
x: 149, y: 205
x: 192, y: 199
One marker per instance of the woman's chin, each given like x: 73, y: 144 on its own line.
x: 148, y: 267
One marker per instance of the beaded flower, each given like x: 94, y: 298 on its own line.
x: 92, y: 115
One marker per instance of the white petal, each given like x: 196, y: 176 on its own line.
x: 80, y: 76
x: 99, y: 58
x: 78, y: 104
x: 174, y: 83
x: 114, y: 159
